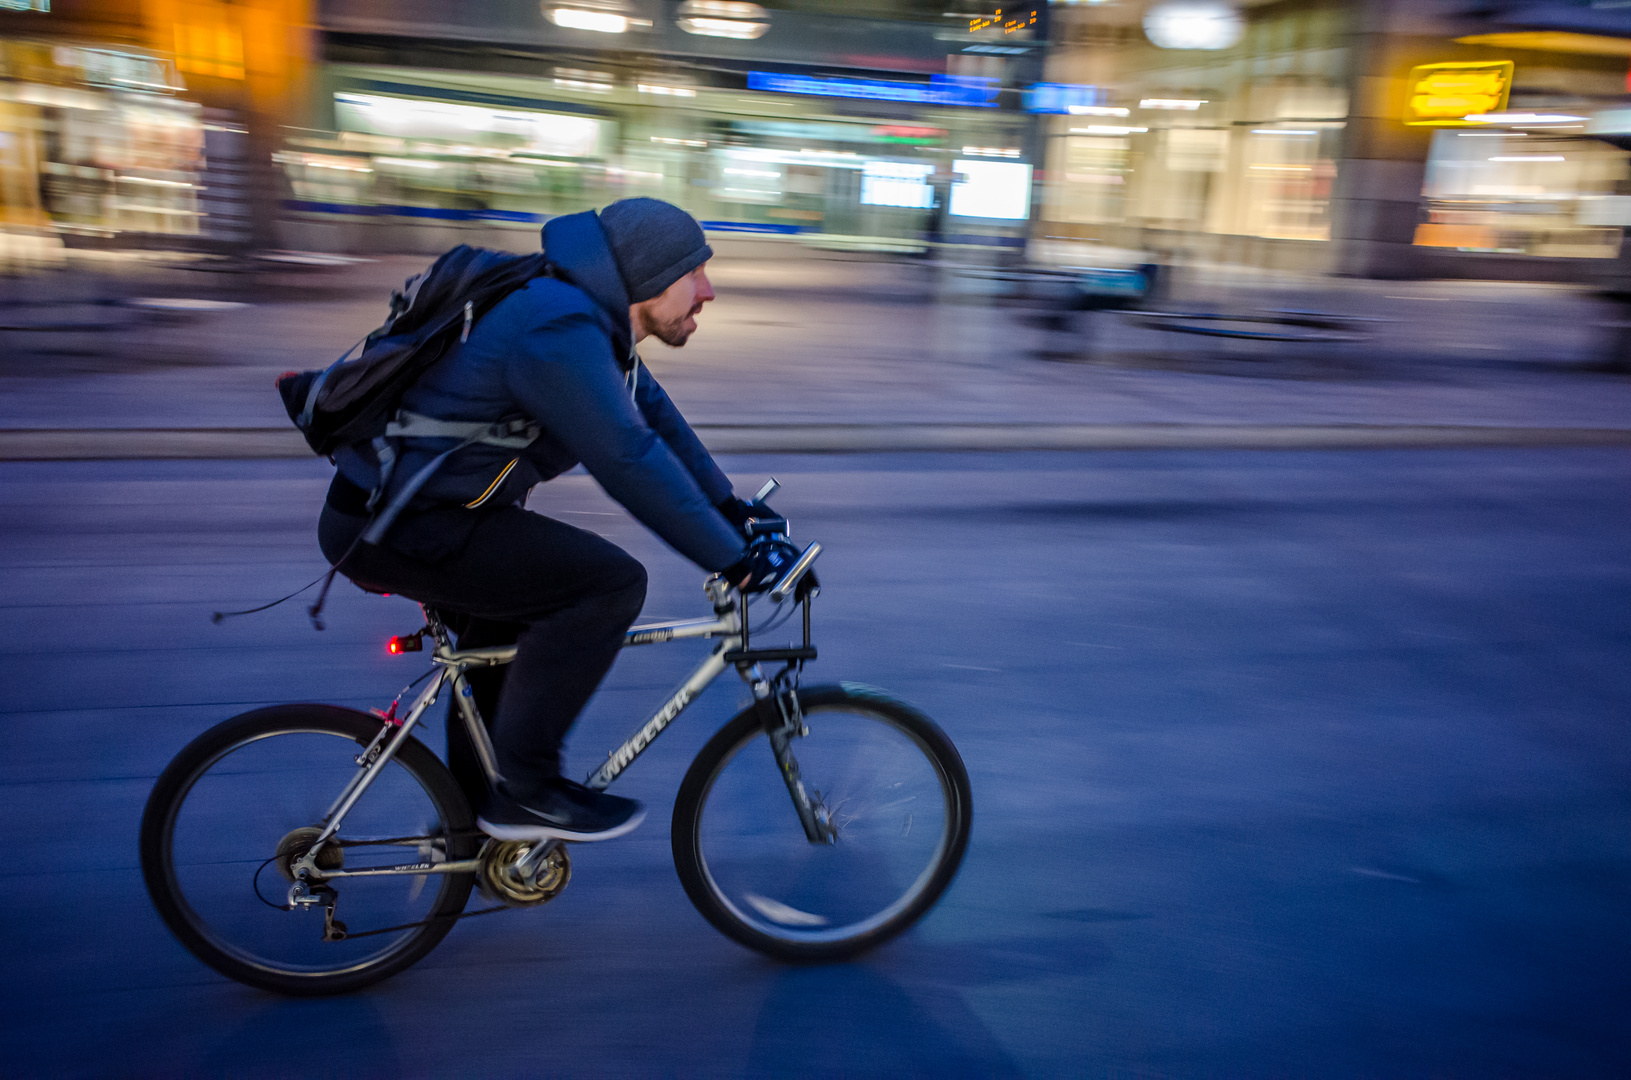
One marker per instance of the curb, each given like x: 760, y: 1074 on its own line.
x: 113, y: 444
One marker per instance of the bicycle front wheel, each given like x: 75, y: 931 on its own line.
x: 895, y: 791
x: 228, y: 815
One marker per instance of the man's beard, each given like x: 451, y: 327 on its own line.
x: 672, y: 333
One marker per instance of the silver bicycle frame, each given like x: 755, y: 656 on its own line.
x: 454, y: 663
x: 727, y: 625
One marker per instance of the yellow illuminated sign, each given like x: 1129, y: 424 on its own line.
x: 1024, y: 20
x: 1444, y: 95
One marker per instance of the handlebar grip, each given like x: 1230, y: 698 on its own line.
x: 790, y: 580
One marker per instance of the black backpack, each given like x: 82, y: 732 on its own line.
x: 353, y: 400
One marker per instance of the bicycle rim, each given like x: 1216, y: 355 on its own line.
x: 897, y: 817
x: 223, y: 833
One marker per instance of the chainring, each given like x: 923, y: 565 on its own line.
x: 498, y: 880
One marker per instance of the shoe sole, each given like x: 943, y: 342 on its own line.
x: 555, y: 832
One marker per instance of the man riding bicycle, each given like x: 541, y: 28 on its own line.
x: 558, y: 353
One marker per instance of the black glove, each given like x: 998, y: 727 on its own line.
x: 762, y: 566
x: 738, y: 511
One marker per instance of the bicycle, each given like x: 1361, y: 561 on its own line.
x: 880, y: 799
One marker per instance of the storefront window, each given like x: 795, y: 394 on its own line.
x: 1287, y: 181
x: 94, y: 141
x: 757, y: 160
x: 1520, y: 193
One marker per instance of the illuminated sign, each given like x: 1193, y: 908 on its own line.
x: 1011, y: 23
x: 1061, y: 97
x: 940, y: 90
x: 1445, y: 95
x: 908, y: 134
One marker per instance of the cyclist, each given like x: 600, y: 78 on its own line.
x: 559, y: 352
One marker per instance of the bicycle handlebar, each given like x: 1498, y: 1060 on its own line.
x: 790, y: 580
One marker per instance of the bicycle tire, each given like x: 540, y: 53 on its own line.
x: 827, y: 942
x: 180, y: 778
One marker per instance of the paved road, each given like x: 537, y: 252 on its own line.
x: 1284, y: 763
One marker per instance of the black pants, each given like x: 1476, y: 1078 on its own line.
x: 562, y: 595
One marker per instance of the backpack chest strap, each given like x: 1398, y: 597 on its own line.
x: 516, y: 434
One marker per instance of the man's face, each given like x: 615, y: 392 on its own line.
x: 671, y: 317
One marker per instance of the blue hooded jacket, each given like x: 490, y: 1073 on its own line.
x: 559, y: 352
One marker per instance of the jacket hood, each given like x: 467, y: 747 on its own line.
x: 576, y: 245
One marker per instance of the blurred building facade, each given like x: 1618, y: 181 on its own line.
x: 140, y: 122
x: 1290, y: 146
x: 806, y: 118
x: 1265, y: 132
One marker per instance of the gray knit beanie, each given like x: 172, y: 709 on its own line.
x: 654, y: 243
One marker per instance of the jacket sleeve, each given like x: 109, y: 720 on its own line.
x: 660, y: 412
x: 564, y: 376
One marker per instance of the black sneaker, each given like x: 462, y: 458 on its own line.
x: 559, y: 810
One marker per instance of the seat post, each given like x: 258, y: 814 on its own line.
x: 437, y: 628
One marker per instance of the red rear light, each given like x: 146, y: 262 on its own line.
x: 398, y: 645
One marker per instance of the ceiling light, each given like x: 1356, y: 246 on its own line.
x: 1107, y: 129
x: 1282, y: 131
x: 600, y: 22
x: 1097, y: 110
x: 1193, y: 24
x: 1529, y: 157
x: 587, y: 82
x: 722, y: 19
x: 1523, y: 118
x: 724, y: 28
x: 1190, y: 104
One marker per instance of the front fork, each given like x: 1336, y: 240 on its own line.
x: 779, y: 712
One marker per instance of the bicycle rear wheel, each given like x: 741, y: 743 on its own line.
x: 259, y: 785
x: 896, y: 792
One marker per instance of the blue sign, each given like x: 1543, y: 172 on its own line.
x: 940, y: 90
x: 1059, y: 97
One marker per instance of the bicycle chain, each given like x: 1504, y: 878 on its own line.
x: 389, y: 929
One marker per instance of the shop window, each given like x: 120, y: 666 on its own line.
x: 1094, y: 184
x: 1522, y: 193
x: 1287, y: 182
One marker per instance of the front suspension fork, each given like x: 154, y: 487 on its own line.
x: 783, y: 720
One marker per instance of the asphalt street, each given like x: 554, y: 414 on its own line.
x: 1284, y: 763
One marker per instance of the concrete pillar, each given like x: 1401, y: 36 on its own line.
x: 1375, y: 204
